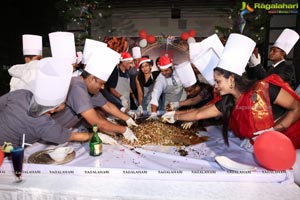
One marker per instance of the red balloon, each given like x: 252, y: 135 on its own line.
x: 1, y: 156
x: 143, y: 34
x: 184, y: 36
x: 192, y: 33
x: 274, y: 151
x: 151, y: 39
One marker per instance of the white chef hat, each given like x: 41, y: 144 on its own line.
x: 205, y: 55
x: 32, y: 44
x: 286, y: 40
x: 90, y: 46
x: 236, y: 53
x: 136, y: 52
x: 53, y: 81
x: 102, y: 62
x: 186, y: 74
x: 63, y: 45
x: 78, y: 57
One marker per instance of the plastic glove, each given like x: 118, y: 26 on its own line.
x: 174, y: 105
x: 129, y: 135
x: 107, y: 139
x: 124, y: 102
x: 139, y: 111
x: 132, y: 114
x: 246, y: 144
x: 169, y: 117
x: 130, y: 123
x: 254, y: 60
x: 187, y: 125
x: 153, y: 116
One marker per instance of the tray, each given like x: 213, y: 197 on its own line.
x: 42, y: 157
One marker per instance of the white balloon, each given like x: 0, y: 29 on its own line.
x: 143, y: 43
x: 191, y: 40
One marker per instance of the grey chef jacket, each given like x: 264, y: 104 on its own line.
x: 15, y: 121
x: 78, y: 101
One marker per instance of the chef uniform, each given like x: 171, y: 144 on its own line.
x: 100, y: 63
x: 120, y: 81
x: 51, y: 87
x: 137, y: 55
x: 24, y: 75
x: 170, y: 87
x: 285, y: 42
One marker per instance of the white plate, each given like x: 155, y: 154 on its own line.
x: 232, y: 165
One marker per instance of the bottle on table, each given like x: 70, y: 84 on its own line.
x: 95, y: 143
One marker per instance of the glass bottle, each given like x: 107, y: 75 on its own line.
x: 95, y: 143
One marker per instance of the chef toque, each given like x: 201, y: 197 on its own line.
x: 53, y: 81
x: 89, y: 46
x: 126, y: 56
x: 78, y: 57
x: 186, y: 74
x: 236, y: 53
x: 63, y: 46
x: 164, y: 62
x: 32, y: 45
x: 102, y: 62
x: 136, y: 52
x: 205, y: 55
x: 286, y: 40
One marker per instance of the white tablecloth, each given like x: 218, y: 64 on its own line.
x: 151, y: 172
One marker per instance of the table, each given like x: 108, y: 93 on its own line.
x: 151, y: 172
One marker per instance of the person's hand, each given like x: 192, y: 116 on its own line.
x: 139, y: 111
x: 132, y: 114
x: 246, y: 144
x: 107, y: 139
x: 172, y: 106
x: 130, y: 123
x: 124, y: 102
x: 187, y: 125
x: 169, y: 117
x: 254, y: 61
x: 153, y: 116
x: 129, y: 135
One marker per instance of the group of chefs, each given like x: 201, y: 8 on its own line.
x: 52, y: 100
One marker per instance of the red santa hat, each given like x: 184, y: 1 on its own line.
x: 143, y: 60
x: 126, y: 56
x: 164, y: 62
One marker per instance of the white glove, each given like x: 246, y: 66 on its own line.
x: 129, y: 135
x: 187, y: 125
x: 139, y: 111
x: 132, y: 114
x: 169, y: 117
x: 123, y: 109
x: 107, y: 139
x: 254, y: 61
x: 130, y: 123
x: 246, y: 142
x: 124, y: 102
x: 174, y: 105
x: 153, y: 116
x: 112, y: 120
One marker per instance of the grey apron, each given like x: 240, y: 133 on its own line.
x: 123, y: 87
x: 174, y: 93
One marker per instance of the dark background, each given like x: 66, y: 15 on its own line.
x: 18, y: 17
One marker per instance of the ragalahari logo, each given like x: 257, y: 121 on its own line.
x: 272, y: 8
x: 246, y: 8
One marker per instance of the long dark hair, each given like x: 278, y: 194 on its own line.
x: 243, y: 84
x: 140, y: 74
